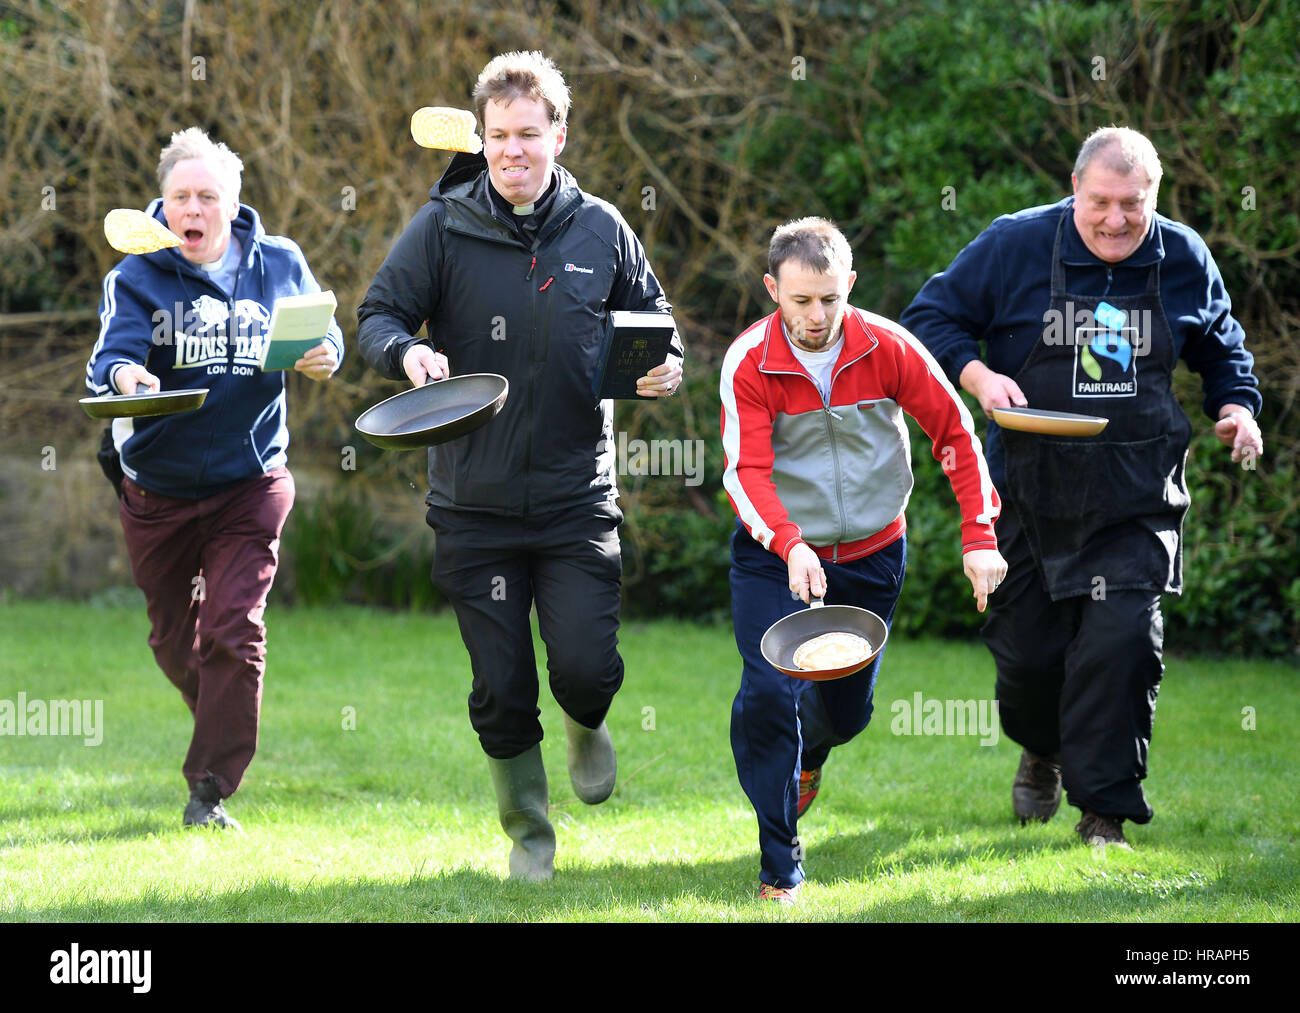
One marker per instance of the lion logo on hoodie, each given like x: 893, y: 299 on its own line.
x: 210, y: 312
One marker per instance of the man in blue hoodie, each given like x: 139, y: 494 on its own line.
x: 1085, y: 306
x: 206, y: 493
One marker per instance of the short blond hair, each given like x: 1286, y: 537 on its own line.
x: 814, y: 242
x: 195, y: 143
x: 531, y: 75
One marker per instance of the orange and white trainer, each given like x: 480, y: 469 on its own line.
x: 788, y: 895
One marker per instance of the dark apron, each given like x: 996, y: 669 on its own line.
x: 1109, y: 506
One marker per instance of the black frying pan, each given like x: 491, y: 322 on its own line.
x: 439, y: 411
x: 147, y: 403
x: 784, y: 636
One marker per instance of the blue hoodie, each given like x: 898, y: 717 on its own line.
x: 998, y: 288
x: 165, y: 313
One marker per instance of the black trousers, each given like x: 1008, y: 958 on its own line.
x: 1078, y: 677
x: 493, y: 570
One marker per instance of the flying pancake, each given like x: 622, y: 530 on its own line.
x: 446, y: 129
x: 130, y: 231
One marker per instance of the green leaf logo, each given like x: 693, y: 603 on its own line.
x: 1090, y: 365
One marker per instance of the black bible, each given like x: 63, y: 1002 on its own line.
x: 635, y: 342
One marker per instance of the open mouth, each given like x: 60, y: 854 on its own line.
x: 193, y: 236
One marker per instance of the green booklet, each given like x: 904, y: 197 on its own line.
x: 298, y: 324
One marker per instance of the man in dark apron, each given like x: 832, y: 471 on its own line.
x: 1085, y: 306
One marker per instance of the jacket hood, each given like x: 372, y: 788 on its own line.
x: 463, y: 168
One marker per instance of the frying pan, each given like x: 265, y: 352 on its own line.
x: 785, y: 635
x: 151, y: 402
x: 1040, y: 420
x: 435, y: 413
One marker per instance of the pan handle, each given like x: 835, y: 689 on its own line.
x: 814, y: 603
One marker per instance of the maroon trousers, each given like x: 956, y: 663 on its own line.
x: 205, y: 567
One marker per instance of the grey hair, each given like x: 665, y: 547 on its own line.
x: 814, y: 242
x: 194, y: 143
x: 1122, y: 149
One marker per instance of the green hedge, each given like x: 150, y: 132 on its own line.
x: 338, y: 547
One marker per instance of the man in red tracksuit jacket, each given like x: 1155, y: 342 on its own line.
x: 818, y: 470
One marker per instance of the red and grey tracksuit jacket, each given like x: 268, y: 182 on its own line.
x: 838, y: 474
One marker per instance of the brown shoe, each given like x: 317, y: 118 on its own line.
x: 1036, y: 791
x: 1100, y: 831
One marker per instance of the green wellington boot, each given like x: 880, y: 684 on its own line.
x: 593, y: 767
x: 523, y: 802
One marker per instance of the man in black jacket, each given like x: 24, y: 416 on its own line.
x: 514, y: 269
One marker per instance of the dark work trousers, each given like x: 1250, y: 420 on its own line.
x: 781, y: 726
x: 1078, y: 677
x: 493, y: 570
x: 205, y: 567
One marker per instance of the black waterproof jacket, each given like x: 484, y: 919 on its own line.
x: 535, y: 314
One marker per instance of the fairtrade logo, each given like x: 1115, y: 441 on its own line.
x: 1110, y: 317
x: 1109, y: 346
x: 1109, y: 343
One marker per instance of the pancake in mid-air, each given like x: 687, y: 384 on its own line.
x: 446, y: 128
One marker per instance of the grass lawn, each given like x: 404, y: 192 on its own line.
x: 394, y: 819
